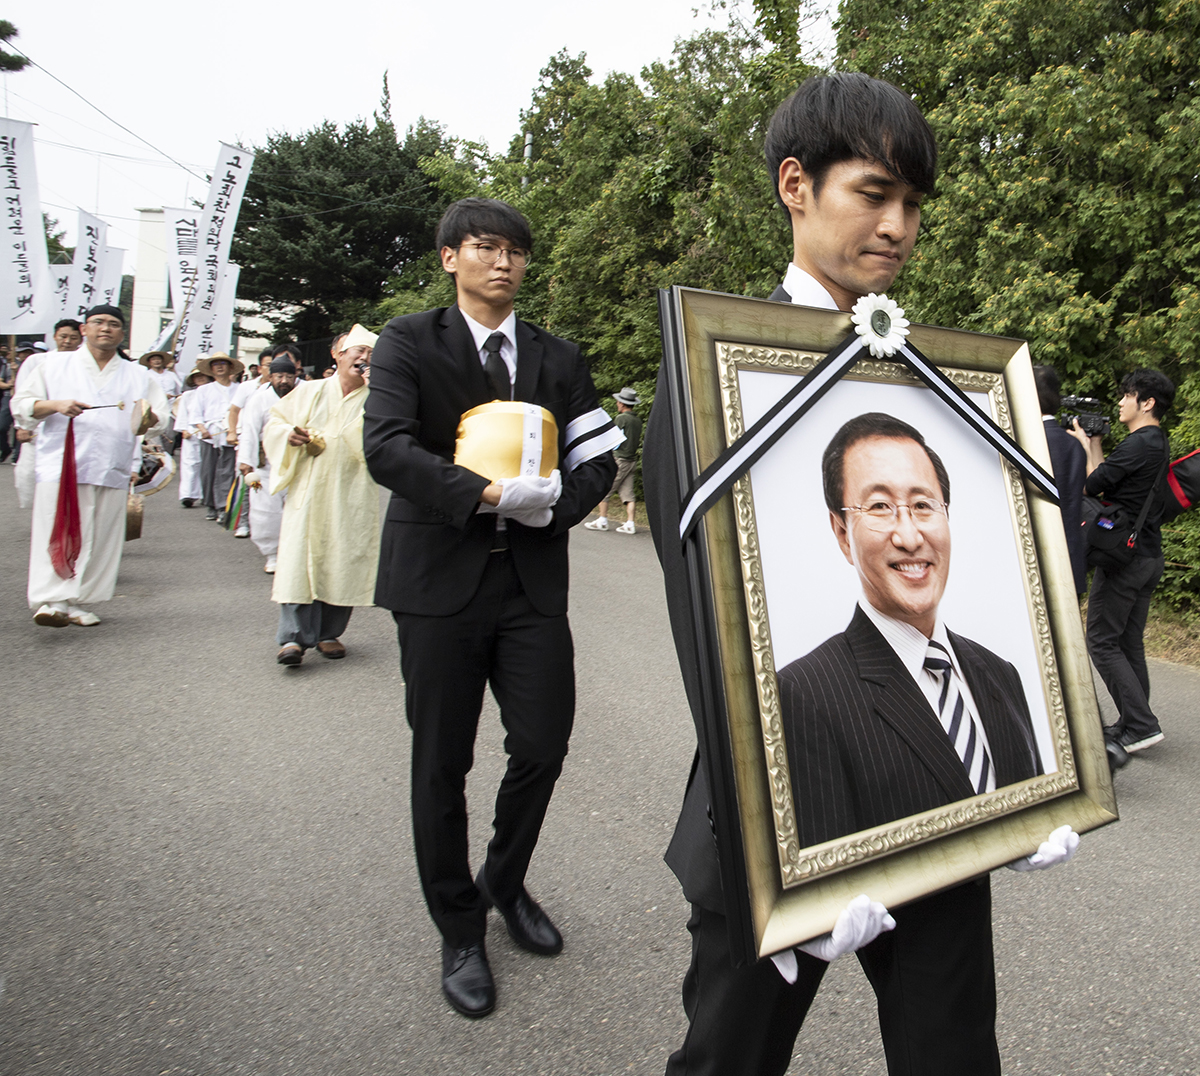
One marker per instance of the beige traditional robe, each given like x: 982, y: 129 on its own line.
x: 329, y: 540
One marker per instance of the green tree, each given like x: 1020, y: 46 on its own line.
x: 1067, y: 209
x: 634, y: 186
x: 55, y: 251
x: 330, y: 216
x: 9, y: 62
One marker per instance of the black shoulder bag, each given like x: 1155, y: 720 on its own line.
x: 1111, y: 539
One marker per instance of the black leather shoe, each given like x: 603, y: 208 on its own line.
x: 529, y: 926
x: 467, y: 980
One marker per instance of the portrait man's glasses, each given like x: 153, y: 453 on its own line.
x: 884, y: 515
x: 489, y: 254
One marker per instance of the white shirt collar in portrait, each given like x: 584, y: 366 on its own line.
x: 910, y: 646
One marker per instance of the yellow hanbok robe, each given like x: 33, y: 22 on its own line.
x: 329, y: 536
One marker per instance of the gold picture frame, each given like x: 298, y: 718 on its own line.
x: 729, y: 358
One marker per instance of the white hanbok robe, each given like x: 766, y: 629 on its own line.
x: 329, y: 541
x: 189, y: 448
x: 105, y: 447
x: 266, y: 508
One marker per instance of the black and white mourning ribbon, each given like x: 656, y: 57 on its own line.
x: 719, y: 476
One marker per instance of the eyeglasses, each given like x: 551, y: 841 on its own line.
x: 884, y: 515
x: 489, y: 254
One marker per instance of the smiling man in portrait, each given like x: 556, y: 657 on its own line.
x: 896, y: 715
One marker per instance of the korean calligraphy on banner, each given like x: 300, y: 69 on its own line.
x: 112, y: 266
x: 26, y: 298
x: 84, y: 292
x: 199, y: 323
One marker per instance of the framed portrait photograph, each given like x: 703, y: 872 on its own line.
x: 899, y: 693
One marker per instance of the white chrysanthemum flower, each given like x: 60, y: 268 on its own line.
x: 881, y: 324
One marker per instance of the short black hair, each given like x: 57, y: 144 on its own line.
x: 1150, y: 384
x: 872, y: 424
x: 66, y: 323
x: 1049, y: 389
x: 482, y: 217
x: 840, y: 117
x: 266, y: 353
x: 286, y: 349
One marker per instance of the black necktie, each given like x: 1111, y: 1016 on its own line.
x: 496, y: 368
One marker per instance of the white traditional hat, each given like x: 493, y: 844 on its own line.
x: 359, y: 335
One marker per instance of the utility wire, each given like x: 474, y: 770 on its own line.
x: 163, y: 153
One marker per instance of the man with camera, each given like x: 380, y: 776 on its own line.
x: 1119, y: 601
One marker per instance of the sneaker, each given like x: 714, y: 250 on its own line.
x: 242, y: 532
x: 187, y: 502
x: 1134, y: 741
x: 221, y: 518
x: 291, y: 654
x: 600, y: 524
x: 269, y: 567
x: 627, y: 527
x: 81, y: 618
x: 211, y: 514
x: 52, y: 615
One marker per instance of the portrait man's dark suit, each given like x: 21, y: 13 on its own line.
x: 436, y: 561
x: 864, y: 745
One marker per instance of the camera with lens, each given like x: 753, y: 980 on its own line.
x: 1086, y: 409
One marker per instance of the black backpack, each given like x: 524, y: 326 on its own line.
x: 1180, y: 488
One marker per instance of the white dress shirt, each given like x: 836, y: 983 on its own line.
x: 805, y: 290
x: 508, y: 349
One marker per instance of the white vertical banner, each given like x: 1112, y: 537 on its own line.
x: 84, y: 292
x: 183, y: 265
x: 26, y: 300
x: 216, y: 233
x: 217, y: 334
x: 112, y: 266
x: 60, y: 286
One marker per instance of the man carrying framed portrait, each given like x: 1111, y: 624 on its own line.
x: 852, y: 159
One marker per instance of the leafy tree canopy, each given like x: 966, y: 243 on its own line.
x: 1067, y: 208
x: 9, y: 62
x: 329, y: 216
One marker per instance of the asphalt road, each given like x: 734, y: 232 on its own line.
x: 206, y: 867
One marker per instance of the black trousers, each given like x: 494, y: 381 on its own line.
x: 1118, y: 606
x: 934, y: 981
x: 528, y: 659
x: 218, y: 468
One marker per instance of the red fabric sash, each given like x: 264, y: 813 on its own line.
x: 66, y: 539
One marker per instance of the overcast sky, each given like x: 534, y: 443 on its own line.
x: 188, y: 77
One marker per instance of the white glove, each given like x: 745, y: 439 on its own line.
x: 1060, y: 846
x: 527, y: 498
x: 859, y: 924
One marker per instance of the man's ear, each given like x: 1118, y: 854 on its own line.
x: 449, y: 259
x: 838, y: 523
x: 795, y: 187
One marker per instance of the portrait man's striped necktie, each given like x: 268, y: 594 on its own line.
x: 961, y: 725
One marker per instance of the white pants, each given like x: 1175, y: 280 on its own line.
x: 102, y: 529
x: 26, y: 477
x: 189, y: 469
x: 266, y: 515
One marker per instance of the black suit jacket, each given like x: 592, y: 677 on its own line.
x: 1068, y: 461
x: 425, y: 372
x: 865, y: 746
